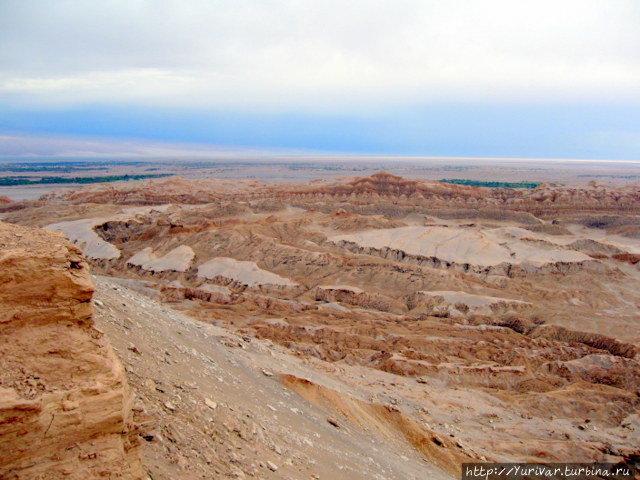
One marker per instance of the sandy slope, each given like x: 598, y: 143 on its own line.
x: 179, y: 368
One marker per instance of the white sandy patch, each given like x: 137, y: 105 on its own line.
x: 469, y: 299
x: 523, y: 233
x: 177, y: 260
x: 483, y: 247
x: 578, y: 232
x: 453, y: 244
x: 335, y: 306
x: 245, y: 272
x: 531, y: 252
x: 215, y: 289
x: 630, y: 245
x: 82, y: 234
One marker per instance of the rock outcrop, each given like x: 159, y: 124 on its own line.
x: 358, y: 297
x: 65, y: 405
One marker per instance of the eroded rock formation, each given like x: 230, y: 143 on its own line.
x: 65, y: 406
x: 504, y: 320
x: 376, y: 189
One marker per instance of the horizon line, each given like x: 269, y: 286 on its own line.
x: 272, y: 156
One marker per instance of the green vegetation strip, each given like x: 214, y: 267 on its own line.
x: 10, y: 181
x: 479, y: 183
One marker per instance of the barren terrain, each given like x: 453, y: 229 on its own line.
x: 305, y: 168
x: 365, y: 327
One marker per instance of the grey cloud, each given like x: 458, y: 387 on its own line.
x: 272, y: 53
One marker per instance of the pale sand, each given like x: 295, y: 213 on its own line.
x: 483, y: 247
x: 177, y: 260
x: 82, y: 234
x: 245, y: 272
x: 215, y: 289
x: 470, y: 300
x: 631, y: 245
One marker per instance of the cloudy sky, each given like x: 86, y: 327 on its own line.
x: 494, y: 78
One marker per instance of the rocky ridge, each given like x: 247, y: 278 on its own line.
x: 375, y: 189
x: 65, y: 405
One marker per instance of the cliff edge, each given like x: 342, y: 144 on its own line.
x: 65, y: 405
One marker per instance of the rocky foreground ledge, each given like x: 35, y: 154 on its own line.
x: 65, y: 406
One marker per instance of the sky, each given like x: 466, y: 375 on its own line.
x: 484, y: 78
